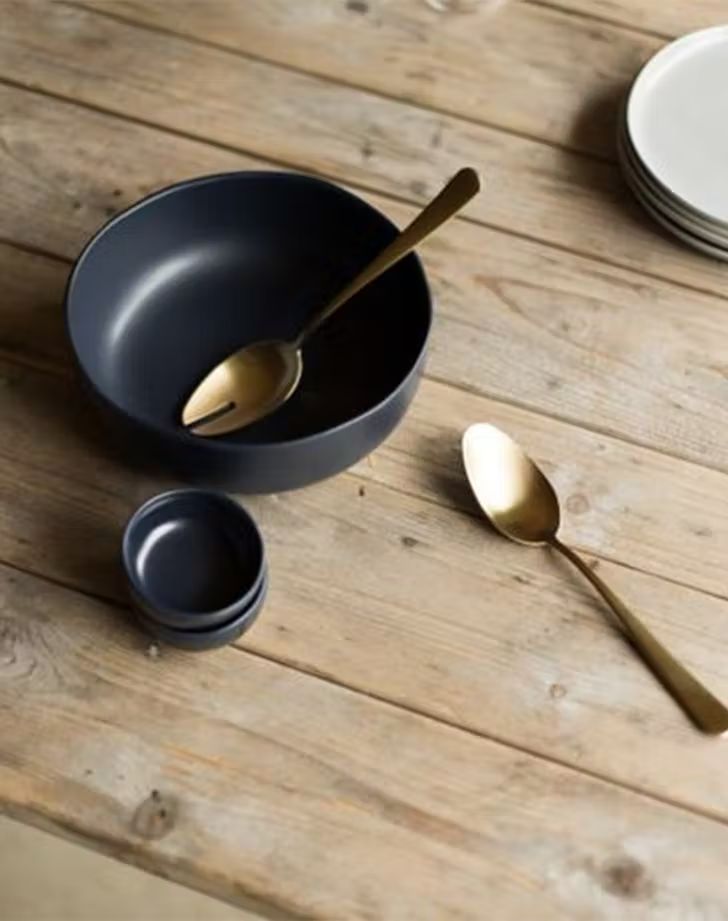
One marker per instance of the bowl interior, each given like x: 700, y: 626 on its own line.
x: 193, y: 552
x: 183, y: 279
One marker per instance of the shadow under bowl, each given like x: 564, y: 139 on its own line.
x: 172, y: 286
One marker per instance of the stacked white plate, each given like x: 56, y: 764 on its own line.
x: 673, y: 139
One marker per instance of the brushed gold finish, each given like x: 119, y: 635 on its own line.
x: 521, y: 504
x: 258, y: 378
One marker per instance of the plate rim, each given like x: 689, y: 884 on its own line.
x: 685, y: 221
x: 676, y: 230
x: 659, y: 61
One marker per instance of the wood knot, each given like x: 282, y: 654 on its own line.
x: 155, y: 816
x: 577, y: 504
x: 626, y: 878
x: 17, y: 650
x: 409, y: 541
x: 556, y: 691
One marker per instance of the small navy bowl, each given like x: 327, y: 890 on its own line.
x: 212, y: 638
x: 187, y: 276
x: 194, y: 560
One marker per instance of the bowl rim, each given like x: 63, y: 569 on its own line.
x: 229, y: 611
x: 206, y: 640
x: 220, y: 444
x: 244, y: 619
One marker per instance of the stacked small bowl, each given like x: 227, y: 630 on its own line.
x: 673, y: 139
x: 196, y: 568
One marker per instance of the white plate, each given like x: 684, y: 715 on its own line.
x: 696, y: 242
x: 710, y: 232
x: 677, y: 120
x: 689, y: 215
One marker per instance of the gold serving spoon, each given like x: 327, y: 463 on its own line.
x: 521, y: 504
x: 260, y: 377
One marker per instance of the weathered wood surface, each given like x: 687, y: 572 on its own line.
x: 532, y: 189
x: 528, y: 69
x: 426, y: 716
x: 362, y: 580
x: 667, y: 19
x: 286, y: 793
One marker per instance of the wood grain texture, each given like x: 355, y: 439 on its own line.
x: 531, y: 188
x: 525, y: 68
x: 32, y: 328
x: 490, y: 684
x: 264, y: 795
x: 670, y: 18
x: 555, y: 332
x: 387, y: 580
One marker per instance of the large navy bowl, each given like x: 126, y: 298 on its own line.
x: 192, y: 273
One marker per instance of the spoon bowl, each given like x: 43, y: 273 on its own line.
x: 249, y: 384
x: 512, y: 491
x: 521, y: 504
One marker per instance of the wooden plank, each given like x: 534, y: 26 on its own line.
x: 81, y: 168
x: 532, y: 189
x: 666, y: 18
x: 300, y: 799
x: 32, y: 328
x: 382, y: 583
x: 224, y: 755
x: 552, y: 331
x: 527, y: 68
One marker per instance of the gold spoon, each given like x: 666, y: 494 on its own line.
x: 258, y: 378
x: 521, y: 504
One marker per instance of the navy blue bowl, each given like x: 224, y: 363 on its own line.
x: 194, y: 560
x: 211, y: 637
x: 179, y: 281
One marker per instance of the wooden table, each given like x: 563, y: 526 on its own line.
x: 427, y: 722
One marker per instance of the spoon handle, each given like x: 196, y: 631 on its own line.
x: 459, y: 190
x: 705, y: 710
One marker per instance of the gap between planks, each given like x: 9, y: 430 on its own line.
x: 54, y: 369
x: 586, y: 17
x: 318, y: 675
x: 587, y: 552
x: 356, y: 184
x: 584, y: 551
x: 335, y: 81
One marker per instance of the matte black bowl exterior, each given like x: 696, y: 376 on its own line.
x: 185, y: 277
x: 213, y: 638
x: 194, y: 559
